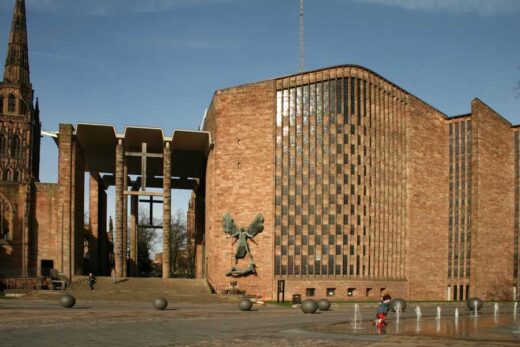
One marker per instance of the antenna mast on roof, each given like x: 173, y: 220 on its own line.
x: 302, y: 46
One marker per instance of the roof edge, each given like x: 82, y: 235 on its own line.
x: 341, y: 66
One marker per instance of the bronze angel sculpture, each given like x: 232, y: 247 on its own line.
x: 242, y: 235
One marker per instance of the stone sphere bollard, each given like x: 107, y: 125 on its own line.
x: 323, y: 304
x: 471, y: 303
x: 67, y: 301
x: 309, y: 306
x: 398, y: 303
x: 245, y: 305
x: 160, y: 303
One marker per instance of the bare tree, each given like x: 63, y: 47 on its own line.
x: 178, y: 245
x: 146, y: 239
x: 111, y: 229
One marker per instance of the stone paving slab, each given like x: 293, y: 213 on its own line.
x: 96, y: 323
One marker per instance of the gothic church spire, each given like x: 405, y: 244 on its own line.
x: 20, y: 125
x: 17, y: 61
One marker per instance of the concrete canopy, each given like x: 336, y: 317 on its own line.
x: 189, y: 151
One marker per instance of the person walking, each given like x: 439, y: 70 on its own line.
x: 91, y: 281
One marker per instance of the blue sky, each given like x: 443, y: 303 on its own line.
x: 158, y: 62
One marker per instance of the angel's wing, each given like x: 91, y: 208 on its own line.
x: 256, y: 226
x: 229, y: 225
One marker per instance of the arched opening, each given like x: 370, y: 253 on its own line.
x: 11, y: 106
x: 3, y: 144
x: 6, y: 219
x: 16, y: 147
x: 23, y: 107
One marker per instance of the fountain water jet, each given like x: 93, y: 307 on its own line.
x: 456, y: 314
x: 418, y: 312
x: 515, y: 306
x: 475, y: 305
x: 356, y: 322
x: 397, y: 314
x: 438, y: 317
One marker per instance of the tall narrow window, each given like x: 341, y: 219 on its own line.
x: 23, y: 107
x: 1, y: 104
x: 3, y: 144
x: 11, y: 103
x: 9, y: 175
x: 6, y: 216
x: 16, y: 147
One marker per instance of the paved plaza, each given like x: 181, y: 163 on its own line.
x: 36, y: 322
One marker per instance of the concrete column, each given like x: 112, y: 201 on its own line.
x: 65, y: 203
x: 94, y: 211
x: 166, y: 266
x: 77, y: 209
x: 134, y: 210
x: 118, y: 242
x: 125, y: 219
x: 103, y: 236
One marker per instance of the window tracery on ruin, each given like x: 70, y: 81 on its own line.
x: 6, y: 219
x: 3, y: 144
x: 9, y: 175
x: 11, y: 105
x: 16, y: 147
x: 23, y: 107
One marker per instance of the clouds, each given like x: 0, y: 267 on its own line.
x: 480, y: 7
x: 113, y: 7
x: 116, y: 7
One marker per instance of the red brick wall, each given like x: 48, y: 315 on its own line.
x: 240, y: 180
x: 493, y: 203
x: 427, y: 205
x: 364, y: 290
x: 46, y: 226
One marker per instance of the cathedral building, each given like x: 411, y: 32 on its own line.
x: 329, y: 183
x: 364, y: 188
x: 35, y: 217
x: 19, y: 151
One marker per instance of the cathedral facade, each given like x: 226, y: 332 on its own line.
x: 330, y: 183
x: 365, y: 189
x: 19, y: 152
x: 36, y: 218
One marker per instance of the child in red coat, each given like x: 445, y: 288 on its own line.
x: 382, y: 311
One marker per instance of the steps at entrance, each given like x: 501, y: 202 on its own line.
x: 136, y: 290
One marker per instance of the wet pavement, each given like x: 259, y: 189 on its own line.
x: 90, y: 323
x: 485, y: 328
